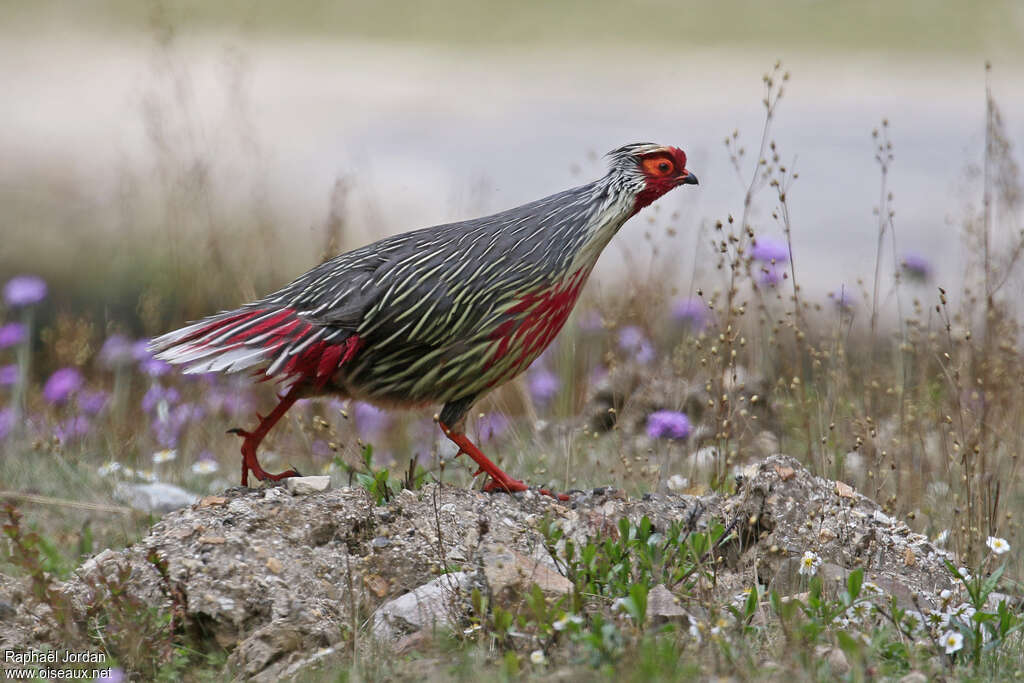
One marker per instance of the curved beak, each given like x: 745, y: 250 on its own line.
x: 689, y: 179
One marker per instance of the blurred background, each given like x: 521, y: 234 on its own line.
x: 201, y: 153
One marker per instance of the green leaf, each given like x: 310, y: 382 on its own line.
x: 848, y: 644
x: 751, y: 605
x: 853, y: 583
x: 990, y: 584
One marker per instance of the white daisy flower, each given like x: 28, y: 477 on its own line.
x: 997, y: 545
x: 953, y: 641
x: 537, y: 657
x: 166, y: 455
x: 809, y: 564
x: 913, y: 620
x: 964, y: 574
x: 964, y: 611
x: 560, y: 624
x: 205, y: 466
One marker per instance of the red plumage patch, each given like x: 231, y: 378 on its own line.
x: 546, y: 313
x: 318, y: 363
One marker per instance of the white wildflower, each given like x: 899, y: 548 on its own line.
x: 576, y: 619
x: 471, y: 630
x: 964, y: 574
x: 537, y: 657
x: 809, y: 564
x: 560, y: 624
x: 872, y: 587
x: 860, y: 610
x: 109, y: 468
x: 148, y: 475
x: 695, y: 631
x: 913, y: 620
x: 934, y: 618
x: 205, y: 466
x: 952, y: 641
x: 942, y: 538
x: 997, y: 545
x: 166, y: 455
x: 964, y: 611
x: 677, y: 483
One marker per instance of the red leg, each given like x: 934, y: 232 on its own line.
x: 253, y: 439
x: 499, y: 480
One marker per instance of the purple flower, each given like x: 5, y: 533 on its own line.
x: 668, y: 424
x: 320, y: 449
x: 147, y: 363
x: 72, y: 428
x: 116, y: 350
x: 154, y: 367
x: 767, y: 250
x: 491, y: 426
x: 692, y: 312
x: 6, y: 422
x: 156, y: 395
x: 770, y: 276
x: 116, y: 675
x: 8, y: 375
x: 62, y: 384
x: 139, y: 350
x: 370, y: 420
x: 24, y: 290
x: 11, y: 334
x: 231, y: 402
x: 916, y: 267
x: 167, y: 424
x: 633, y: 340
x: 92, y: 402
x: 543, y: 385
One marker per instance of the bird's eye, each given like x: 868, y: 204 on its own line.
x: 658, y: 166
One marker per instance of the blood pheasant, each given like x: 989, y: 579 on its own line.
x: 440, y: 315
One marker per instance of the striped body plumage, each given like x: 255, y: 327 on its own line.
x: 439, y: 315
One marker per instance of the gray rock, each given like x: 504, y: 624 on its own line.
x: 158, y: 498
x: 431, y: 605
x: 276, y: 578
x: 836, y: 659
x: 662, y: 606
x: 914, y: 677
x: 299, y: 486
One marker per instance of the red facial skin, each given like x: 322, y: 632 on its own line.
x: 664, y: 170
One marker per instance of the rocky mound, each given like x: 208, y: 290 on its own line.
x: 278, y: 578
